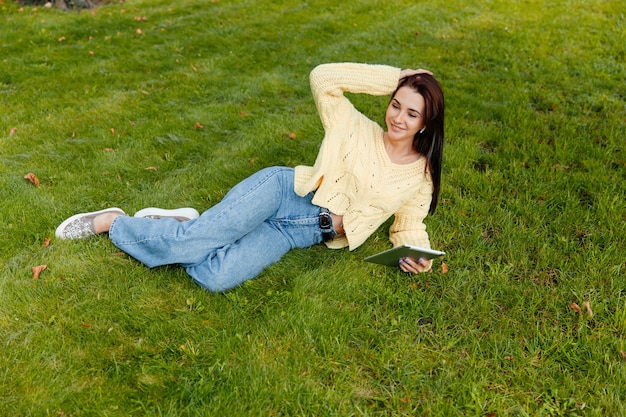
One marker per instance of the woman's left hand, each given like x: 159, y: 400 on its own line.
x: 412, y: 266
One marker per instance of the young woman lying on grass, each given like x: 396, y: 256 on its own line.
x: 362, y: 176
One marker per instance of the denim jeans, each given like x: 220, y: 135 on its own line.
x: 256, y: 223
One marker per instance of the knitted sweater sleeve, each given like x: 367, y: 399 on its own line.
x: 329, y: 82
x: 408, y: 226
x: 339, y: 117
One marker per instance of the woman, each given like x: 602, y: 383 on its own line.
x: 362, y: 176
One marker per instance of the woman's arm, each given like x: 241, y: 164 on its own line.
x: 329, y: 82
x: 409, y: 228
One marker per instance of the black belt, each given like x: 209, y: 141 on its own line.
x: 326, y: 224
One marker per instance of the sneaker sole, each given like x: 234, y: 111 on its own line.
x: 187, y: 213
x: 59, y: 231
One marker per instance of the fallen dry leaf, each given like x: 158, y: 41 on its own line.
x: 587, y: 306
x: 152, y: 169
x: 444, y: 268
x: 292, y: 135
x: 113, y: 130
x: 509, y: 358
x: 32, y: 178
x: 577, y: 309
x: 87, y: 325
x: 621, y: 352
x: 46, y: 242
x: 199, y: 126
x: 37, y: 270
x: 139, y: 31
x: 62, y: 38
x: 13, y: 131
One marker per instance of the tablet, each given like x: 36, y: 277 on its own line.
x: 391, y: 257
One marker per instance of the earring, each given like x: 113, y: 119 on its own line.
x: 423, y: 129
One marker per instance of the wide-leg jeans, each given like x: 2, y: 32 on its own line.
x: 258, y: 221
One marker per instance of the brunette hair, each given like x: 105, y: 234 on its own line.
x: 429, y: 141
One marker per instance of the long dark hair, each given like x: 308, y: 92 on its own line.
x: 429, y: 141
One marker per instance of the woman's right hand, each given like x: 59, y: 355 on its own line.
x: 408, y: 72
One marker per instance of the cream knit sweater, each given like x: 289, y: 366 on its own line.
x: 353, y: 175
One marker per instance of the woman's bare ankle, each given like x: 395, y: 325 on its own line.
x: 102, y: 223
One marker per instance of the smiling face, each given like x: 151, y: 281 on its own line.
x: 404, y: 117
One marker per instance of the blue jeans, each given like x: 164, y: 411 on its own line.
x: 256, y: 223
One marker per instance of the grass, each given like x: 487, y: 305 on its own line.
x: 532, y: 214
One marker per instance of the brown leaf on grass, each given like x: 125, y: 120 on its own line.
x: 405, y: 400
x: 577, y: 309
x: 87, y: 325
x: 37, y: 270
x: 32, y: 178
x: 152, y: 169
x: 444, y: 268
x: 13, y: 131
x: 139, y: 31
x: 621, y: 352
x: 292, y: 135
x: 62, y: 38
x: 91, y: 53
x: 109, y: 150
x: 587, y: 306
x: 199, y: 126
x: 509, y: 358
x: 46, y: 242
x: 113, y: 131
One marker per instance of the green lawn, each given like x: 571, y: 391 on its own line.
x: 170, y: 103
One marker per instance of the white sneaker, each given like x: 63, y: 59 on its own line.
x: 80, y: 226
x: 181, y: 214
